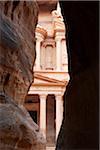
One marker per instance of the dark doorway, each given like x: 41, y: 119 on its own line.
x: 51, y: 111
x: 32, y: 104
x: 33, y: 114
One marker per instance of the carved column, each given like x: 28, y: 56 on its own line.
x: 58, y: 54
x: 38, y: 46
x: 43, y: 114
x: 59, y: 113
x: 40, y: 36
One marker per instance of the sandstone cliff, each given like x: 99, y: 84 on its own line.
x: 17, y: 55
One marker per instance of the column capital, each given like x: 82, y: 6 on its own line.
x: 43, y: 96
x: 59, y: 36
x: 39, y: 39
x: 59, y: 96
x: 58, y: 39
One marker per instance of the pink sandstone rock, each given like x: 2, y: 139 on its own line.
x: 18, y: 20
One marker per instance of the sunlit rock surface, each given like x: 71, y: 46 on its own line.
x: 18, y: 20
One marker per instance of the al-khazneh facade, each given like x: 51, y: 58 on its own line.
x: 45, y: 98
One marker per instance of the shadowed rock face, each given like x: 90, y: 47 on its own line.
x: 80, y: 124
x: 17, y: 47
x: 17, y: 55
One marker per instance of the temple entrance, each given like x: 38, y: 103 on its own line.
x: 33, y: 104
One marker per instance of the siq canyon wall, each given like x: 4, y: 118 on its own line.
x: 79, y: 129
x: 18, y: 20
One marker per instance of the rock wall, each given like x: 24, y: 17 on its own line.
x: 80, y: 124
x: 18, y: 20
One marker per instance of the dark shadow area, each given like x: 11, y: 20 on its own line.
x: 80, y: 128
x: 33, y: 115
x: 51, y: 116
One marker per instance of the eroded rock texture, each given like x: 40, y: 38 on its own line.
x: 17, y: 55
x: 79, y: 130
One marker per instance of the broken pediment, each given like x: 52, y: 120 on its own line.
x: 46, y: 80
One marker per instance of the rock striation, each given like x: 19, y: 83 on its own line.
x: 18, y: 20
